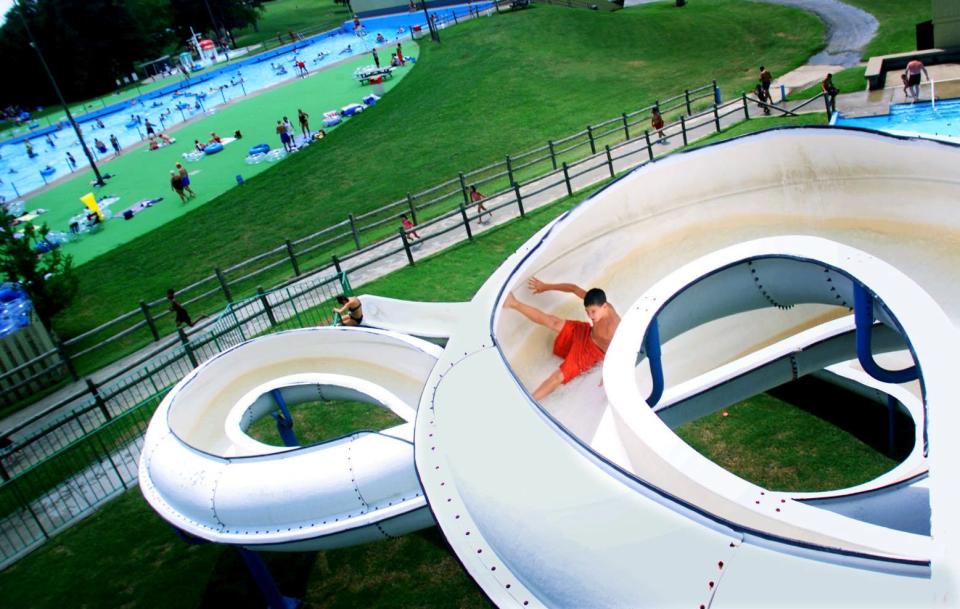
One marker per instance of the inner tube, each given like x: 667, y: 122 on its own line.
x: 277, y: 154
x: 213, y: 148
x: 255, y: 159
x: 259, y: 149
x: 131, y: 124
x: 48, y: 171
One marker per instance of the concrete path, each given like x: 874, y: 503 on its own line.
x: 849, y: 29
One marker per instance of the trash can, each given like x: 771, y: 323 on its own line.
x: 376, y: 83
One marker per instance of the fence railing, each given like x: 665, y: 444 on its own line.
x: 81, y: 458
x: 152, y: 322
x: 67, y: 469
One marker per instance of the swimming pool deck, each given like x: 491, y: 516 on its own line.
x: 871, y: 103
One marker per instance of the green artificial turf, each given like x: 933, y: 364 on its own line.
x: 495, y: 85
x: 142, y: 173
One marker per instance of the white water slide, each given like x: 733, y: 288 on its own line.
x: 737, y: 267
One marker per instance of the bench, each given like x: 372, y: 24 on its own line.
x: 877, y: 67
x: 518, y: 4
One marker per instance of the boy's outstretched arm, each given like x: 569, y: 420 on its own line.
x: 537, y: 287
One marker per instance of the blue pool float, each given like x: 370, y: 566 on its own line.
x: 332, y: 121
x: 213, y: 148
x: 259, y: 149
x: 48, y: 171
x: 131, y: 124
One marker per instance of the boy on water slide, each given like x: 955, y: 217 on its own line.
x: 581, y: 345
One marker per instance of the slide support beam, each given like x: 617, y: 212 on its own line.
x: 651, y: 345
x: 863, y: 318
x: 284, y: 420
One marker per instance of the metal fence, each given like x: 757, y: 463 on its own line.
x: 152, y: 322
x: 87, y: 456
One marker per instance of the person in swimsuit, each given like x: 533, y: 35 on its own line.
x: 477, y: 198
x: 766, y: 79
x: 912, y: 72
x: 350, y: 311
x: 582, y: 345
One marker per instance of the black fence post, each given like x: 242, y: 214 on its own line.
x: 716, y: 117
x: 516, y: 193
x: 336, y: 263
x: 626, y: 126
x: 413, y: 208
x: 509, y: 169
x: 466, y: 222
x: 566, y: 179
x: 145, y: 309
x: 746, y: 106
x: 67, y: 361
x: 266, y: 306
x: 293, y: 258
x: 646, y: 136
x: 463, y: 189
x: 593, y: 145
x: 353, y: 229
x: 98, y: 399
x: 406, y: 245
x: 683, y: 129
x: 686, y: 98
x: 187, y: 348
x: 553, y: 154
x: 223, y: 284
x: 609, y: 160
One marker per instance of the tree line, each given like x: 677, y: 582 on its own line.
x: 89, y: 44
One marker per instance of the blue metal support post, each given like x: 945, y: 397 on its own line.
x: 266, y: 584
x: 284, y: 420
x: 651, y: 344
x: 863, y: 319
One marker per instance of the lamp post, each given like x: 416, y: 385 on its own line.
x: 63, y: 102
x: 434, y: 32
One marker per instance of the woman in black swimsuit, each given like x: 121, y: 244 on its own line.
x: 350, y: 311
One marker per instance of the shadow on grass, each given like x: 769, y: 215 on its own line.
x: 232, y: 585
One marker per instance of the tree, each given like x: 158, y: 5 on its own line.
x: 48, y: 278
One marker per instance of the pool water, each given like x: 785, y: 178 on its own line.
x: 207, y: 89
x: 922, y: 118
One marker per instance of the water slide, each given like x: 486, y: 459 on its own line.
x: 735, y: 268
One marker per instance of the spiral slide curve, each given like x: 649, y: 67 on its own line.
x: 746, y: 259
x: 735, y: 268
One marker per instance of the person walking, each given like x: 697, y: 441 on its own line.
x: 913, y: 71
x: 408, y: 227
x: 304, y: 119
x: 176, y: 184
x: 656, y: 121
x: 149, y: 126
x: 830, y: 92
x: 180, y: 313
x: 185, y: 179
x: 400, y: 55
x: 71, y: 161
x: 766, y: 79
x: 478, y: 198
x: 115, y: 143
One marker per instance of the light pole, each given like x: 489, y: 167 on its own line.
x: 63, y: 102
x: 434, y: 32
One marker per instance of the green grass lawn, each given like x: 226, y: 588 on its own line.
x: 495, y: 85
x: 780, y: 447
x: 898, y: 19
x: 316, y: 422
x: 283, y: 16
x: 125, y: 555
x: 848, y: 81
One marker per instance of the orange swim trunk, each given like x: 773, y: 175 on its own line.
x: 577, y: 349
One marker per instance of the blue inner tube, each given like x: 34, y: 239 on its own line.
x: 213, y: 148
x: 48, y: 171
x: 131, y: 124
x: 259, y: 149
